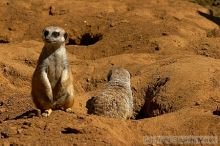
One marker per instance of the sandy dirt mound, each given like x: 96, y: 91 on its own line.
x: 171, y: 48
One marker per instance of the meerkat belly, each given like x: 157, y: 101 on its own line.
x: 55, y: 70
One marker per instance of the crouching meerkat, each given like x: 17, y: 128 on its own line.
x: 52, y: 86
x: 116, y: 100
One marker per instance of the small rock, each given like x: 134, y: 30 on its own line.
x: 156, y: 46
x: 2, y: 110
x: 125, y: 21
x: 112, y: 24
x: 6, y: 69
x: 88, y: 80
x: 19, y: 131
x: 51, y: 10
x: 27, y: 124
x: 4, y: 134
x: 197, y: 103
x: 27, y: 61
x: 9, y: 131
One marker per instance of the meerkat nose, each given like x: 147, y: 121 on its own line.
x: 47, y: 39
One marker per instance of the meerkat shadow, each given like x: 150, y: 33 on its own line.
x: 28, y: 114
x: 210, y: 17
x: 89, y: 105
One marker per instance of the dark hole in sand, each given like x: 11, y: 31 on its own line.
x: 86, y: 39
x: 71, y: 131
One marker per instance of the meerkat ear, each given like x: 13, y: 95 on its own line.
x: 109, y: 75
x: 65, y: 36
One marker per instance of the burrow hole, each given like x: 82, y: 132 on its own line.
x: 86, y: 39
x: 150, y: 105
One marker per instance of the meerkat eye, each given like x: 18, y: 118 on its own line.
x: 46, y: 33
x: 55, y: 34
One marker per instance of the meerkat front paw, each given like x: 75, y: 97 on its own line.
x: 47, y: 113
x: 69, y: 110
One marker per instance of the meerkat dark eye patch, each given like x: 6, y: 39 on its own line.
x: 55, y: 34
x: 46, y: 33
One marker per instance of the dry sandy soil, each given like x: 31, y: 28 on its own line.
x: 170, y: 47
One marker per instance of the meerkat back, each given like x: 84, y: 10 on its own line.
x: 116, y: 99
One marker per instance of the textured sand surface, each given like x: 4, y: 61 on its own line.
x: 170, y: 47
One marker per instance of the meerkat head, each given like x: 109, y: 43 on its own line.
x: 119, y: 74
x: 54, y: 35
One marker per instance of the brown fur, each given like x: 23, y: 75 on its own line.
x: 116, y: 99
x: 52, y: 84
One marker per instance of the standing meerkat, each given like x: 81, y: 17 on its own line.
x: 116, y: 99
x: 52, y: 86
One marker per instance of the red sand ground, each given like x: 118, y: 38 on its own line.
x: 171, y: 50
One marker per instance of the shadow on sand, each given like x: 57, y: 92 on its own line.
x: 210, y: 17
x: 28, y: 114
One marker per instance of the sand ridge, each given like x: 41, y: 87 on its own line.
x: 170, y: 49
